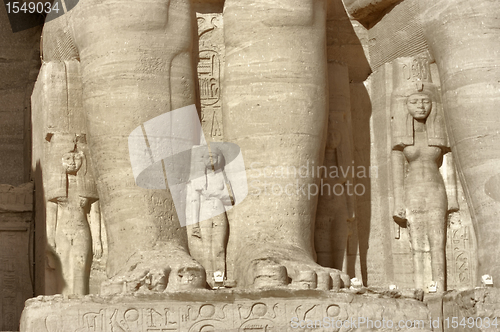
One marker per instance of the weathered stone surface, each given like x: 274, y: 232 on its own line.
x: 204, y: 311
x: 61, y: 152
x: 466, y: 50
x: 462, y: 38
x: 262, y: 87
x: 141, y: 223
x: 393, y: 263
x: 399, y: 33
x: 472, y: 310
x: 16, y: 257
x: 19, y: 65
x: 422, y: 196
x: 211, y: 62
x: 286, y: 80
x: 16, y: 199
x: 368, y: 11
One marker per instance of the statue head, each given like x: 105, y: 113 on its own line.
x: 205, y: 159
x: 419, y: 105
x: 419, y: 102
x: 218, y: 160
x: 72, y: 162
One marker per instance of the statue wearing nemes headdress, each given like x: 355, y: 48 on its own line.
x: 73, y: 241
x: 421, y: 198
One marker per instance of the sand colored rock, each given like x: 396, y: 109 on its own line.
x: 276, y: 78
x: 203, y: 311
x: 61, y: 151
x: 141, y: 223
x: 285, y: 82
x: 420, y: 147
x: 466, y: 52
x: 16, y: 258
x: 293, y: 86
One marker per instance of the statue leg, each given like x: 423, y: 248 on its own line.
x: 436, y: 233
x: 466, y: 50
x: 136, y: 65
x: 206, y: 230
x: 437, y: 241
x: 340, y: 233
x: 418, y: 235
x: 80, y: 259
x: 275, y: 103
x: 219, y: 241
x: 323, y: 235
x: 63, y: 251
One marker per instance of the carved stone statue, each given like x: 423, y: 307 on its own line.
x: 469, y: 87
x: 66, y: 189
x: 275, y: 107
x: 294, y: 84
x: 208, y: 194
x: 69, y: 231
x: 420, y: 195
x: 336, y: 211
x: 134, y: 70
x: 336, y: 203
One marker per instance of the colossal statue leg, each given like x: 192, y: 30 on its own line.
x: 136, y: 65
x: 275, y: 109
x: 464, y: 39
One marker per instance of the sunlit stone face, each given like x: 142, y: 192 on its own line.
x: 72, y: 162
x: 419, y: 106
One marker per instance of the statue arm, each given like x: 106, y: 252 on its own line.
x: 398, y: 166
x: 350, y: 206
x: 95, y: 229
x: 450, y: 181
x: 193, y: 205
x: 51, y: 222
x: 231, y: 199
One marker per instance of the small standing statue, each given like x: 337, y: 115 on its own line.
x: 208, y: 198
x: 72, y: 235
x: 421, y: 197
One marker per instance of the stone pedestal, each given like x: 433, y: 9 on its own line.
x: 224, y: 310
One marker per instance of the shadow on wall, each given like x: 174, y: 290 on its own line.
x: 48, y: 277
x: 348, y: 147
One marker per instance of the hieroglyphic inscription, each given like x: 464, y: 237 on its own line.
x: 165, y: 313
x: 417, y: 70
x: 458, y: 251
x: 209, y: 76
x: 210, y: 73
x: 92, y: 322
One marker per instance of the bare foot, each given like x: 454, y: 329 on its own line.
x: 157, y: 271
x: 285, y: 266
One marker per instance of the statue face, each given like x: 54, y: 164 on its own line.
x: 217, y: 159
x: 419, y: 105
x: 204, y: 158
x: 72, y: 162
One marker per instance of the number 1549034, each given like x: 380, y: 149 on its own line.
x: 32, y: 7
